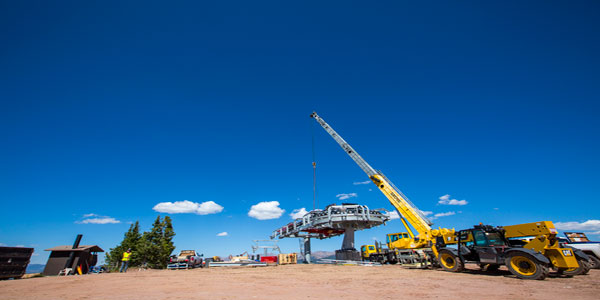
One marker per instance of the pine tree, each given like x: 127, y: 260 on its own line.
x: 151, y: 249
x: 153, y: 246
x: 167, y: 241
x: 130, y: 241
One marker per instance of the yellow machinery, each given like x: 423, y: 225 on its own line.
x: 541, y: 237
x: 425, y: 237
x: 403, y: 245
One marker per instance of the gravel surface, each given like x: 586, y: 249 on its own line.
x: 302, y: 282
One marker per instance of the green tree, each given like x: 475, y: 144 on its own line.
x: 151, y: 249
x: 167, y: 240
x: 130, y: 241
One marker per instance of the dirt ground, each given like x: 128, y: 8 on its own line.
x: 302, y: 282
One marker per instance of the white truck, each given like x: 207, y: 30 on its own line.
x: 187, y: 259
x: 579, y: 240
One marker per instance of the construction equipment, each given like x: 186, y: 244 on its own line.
x: 542, y: 238
x: 426, y: 236
x: 528, y: 259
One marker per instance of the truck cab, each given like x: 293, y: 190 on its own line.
x: 366, y: 251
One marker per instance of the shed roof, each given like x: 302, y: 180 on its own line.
x: 91, y: 248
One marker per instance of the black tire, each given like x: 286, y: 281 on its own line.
x: 584, y: 268
x: 525, y: 266
x: 450, y: 262
x: 594, y: 262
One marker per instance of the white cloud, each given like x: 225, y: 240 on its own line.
x: 588, y: 225
x: 266, y: 210
x: 445, y: 214
x: 594, y: 233
x: 298, y: 213
x: 224, y: 233
x: 90, y: 215
x: 22, y: 246
x: 362, y: 182
x: 188, y: 207
x: 426, y: 212
x: 445, y: 200
x: 99, y: 220
x: 346, y: 196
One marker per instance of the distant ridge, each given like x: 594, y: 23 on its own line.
x: 34, y: 268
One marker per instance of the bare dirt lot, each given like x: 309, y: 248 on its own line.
x: 301, y: 282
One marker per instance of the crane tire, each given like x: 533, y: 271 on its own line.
x: 450, y: 262
x: 525, y: 266
x: 584, y: 268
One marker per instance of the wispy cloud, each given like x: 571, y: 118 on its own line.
x: 188, y: 207
x: 445, y: 200
x: 2, y: 244
x: 426, y: 212
x: 298, y: 213
x: 224, y: 233
x: 362, y: 182
x: 346, y: 196
x: 444, y: 214
x: 589, y: 225
x: 266, y: 210
x: 97, y: 219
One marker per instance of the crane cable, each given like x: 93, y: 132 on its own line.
x: 314, y: 164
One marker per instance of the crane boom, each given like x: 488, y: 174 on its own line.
x: 406, y: 209
x: 347, y: 148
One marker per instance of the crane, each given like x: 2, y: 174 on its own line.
x: 485, y: 245
x: 426, y: 237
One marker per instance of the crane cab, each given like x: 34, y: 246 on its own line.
x: 400, y: 240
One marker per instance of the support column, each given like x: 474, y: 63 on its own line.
x: 348, y: 252
x: 348, y: 243
x: 307, y: 250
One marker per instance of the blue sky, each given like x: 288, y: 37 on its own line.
x: 111, y: 108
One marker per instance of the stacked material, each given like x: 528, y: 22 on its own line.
x: 286, y: 259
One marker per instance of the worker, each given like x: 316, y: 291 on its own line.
x: 125, y: 261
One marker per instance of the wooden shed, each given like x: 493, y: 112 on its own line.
x: 85, y: 256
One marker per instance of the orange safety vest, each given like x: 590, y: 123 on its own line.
x: 126, y: 256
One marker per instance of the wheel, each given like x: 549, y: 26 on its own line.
x: 594, y: 262
x: 525, y: 266
x: 450, y: 262
x: 582, y: 269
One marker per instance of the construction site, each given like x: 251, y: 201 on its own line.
x: 528, y: 260
x: 300, y: 150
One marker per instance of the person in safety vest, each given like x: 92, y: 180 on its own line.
x: 125, y: 260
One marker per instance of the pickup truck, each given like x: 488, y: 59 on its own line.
x: 579, y: 240
x: 187, y: 259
